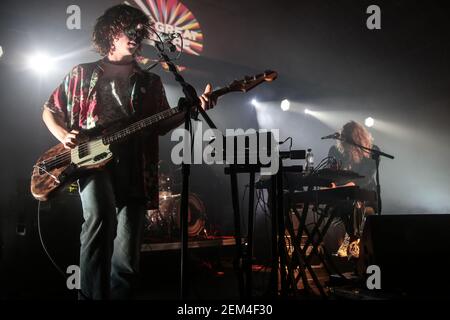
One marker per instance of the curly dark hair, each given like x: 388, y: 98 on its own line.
x: 117, y: 19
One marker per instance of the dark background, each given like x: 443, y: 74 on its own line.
x: 327, y: 60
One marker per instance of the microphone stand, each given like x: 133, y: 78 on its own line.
x: 191, y: 99
x: 186, y: 103
x: 376, y: 154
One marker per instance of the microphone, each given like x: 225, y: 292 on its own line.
x: 335, y: 135
x: 168, y: 38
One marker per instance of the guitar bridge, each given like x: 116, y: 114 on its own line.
x: 42, y: 168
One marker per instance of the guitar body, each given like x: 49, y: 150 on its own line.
x: 59, y: 166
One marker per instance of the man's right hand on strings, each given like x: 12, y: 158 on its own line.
x: 70, y: 140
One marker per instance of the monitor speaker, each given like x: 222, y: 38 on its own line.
x: 411, y: 251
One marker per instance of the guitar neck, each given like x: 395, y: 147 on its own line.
x: 152, y: 120
x: 140, y: 125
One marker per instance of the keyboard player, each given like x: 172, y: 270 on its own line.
x: 348, y: 157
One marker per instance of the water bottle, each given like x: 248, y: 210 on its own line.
x: 309, y: 161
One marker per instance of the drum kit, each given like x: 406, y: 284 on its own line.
x: 164, y: 223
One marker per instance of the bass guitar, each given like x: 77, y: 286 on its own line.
x: 59, y: 166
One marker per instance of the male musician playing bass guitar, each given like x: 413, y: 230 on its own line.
x: 114, y: 198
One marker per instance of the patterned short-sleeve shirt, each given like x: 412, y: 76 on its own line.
x: 76, y: 99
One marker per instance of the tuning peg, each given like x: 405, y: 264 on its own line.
x: 270, y: 75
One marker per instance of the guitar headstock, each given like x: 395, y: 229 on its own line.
x: 249, y: 82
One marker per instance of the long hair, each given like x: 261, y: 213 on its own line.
x: 353, y: 131
x: 116, y: 20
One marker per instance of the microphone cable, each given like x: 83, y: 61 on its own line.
x: 60, y: 271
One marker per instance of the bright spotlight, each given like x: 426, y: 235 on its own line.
x: 307, y: 111
x: 254, y: 102
x: 285, y: 104
x: 369, y: 122
x: 40, y: 63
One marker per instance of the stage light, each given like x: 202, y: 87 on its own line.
x: 41, y: 63
x: 369, y: 122
x: 1, y: 51
x: 285, y: 104
x: 307, y: 111
x: 255, y: 102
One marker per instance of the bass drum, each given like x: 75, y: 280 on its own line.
x: 196, y: 215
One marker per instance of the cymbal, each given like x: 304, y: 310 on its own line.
x: 164, y: 195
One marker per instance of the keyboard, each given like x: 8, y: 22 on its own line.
x: 332, y: 195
